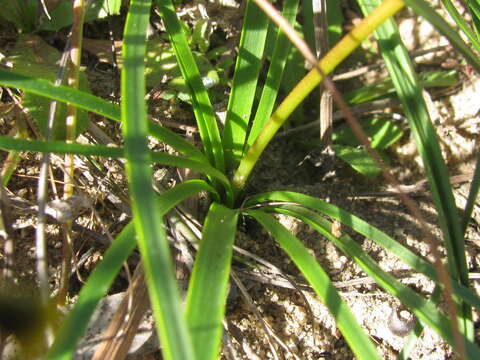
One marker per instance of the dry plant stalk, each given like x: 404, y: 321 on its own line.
x: 71, y: 124
x: 123, y: 327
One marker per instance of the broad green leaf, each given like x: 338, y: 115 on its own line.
x: 24, y: 14
x: 386, y: 87
x: 321, y: 283
x: 32, y: 56
x: 207, y: 293
x: 62, y: 14
x: 357, y: 158
x: 381, y: 132
x: 149, y: 226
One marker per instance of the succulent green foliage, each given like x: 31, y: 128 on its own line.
x: 62, y: 14
x: 357, y: 158
x: 32, y: 56
x: 386, y: 88
x: 23, y: 13
x: 381, y: 132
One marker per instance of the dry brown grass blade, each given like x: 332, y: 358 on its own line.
x: 124, y: 325
x: 321, y: 43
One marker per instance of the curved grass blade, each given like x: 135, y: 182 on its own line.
x: 247, y: 70
x: 409, y: 91
x: 461, y: 22
x: 149, y: 225
x: 94, y: 289
x: 61, y: 93
x: 207, y: 292
x: 423, y: 309
x: 183, y: 191
x: 472, y: 195
x: 94, y: 104
x: 275, y: 73
x: 422, y: 8
x: 102, y: 277
x: 319, y: 280
x: 202, y: 107
x: 60, y: 147
x: 327, y: 64
x: 362, y: 227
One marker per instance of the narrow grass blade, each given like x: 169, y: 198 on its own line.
x: 102, y: 277
x: 423, y: 309
x: 94, y: 104
x: 61, y: 93
x: 149, y: 226
x: 247, y: 69
x: 462, y: 23
x: 409, y: 91
x: 422, y: 8
x: 92, y: 292
x: 362, y: 227
x: 327, y: 64
x: 321, y: 283
x: 472, y: 196
x: 60, y: 147
x: 207, y: 293
x: 202, y: 107
x: 275, y: 73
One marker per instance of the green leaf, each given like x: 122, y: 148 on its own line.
x: 423, y: 309
x: 381, y: 132
x: 278, y: 60
x: 242, y: 95
x: 62, y: 14
x: 462, y: 23
x: 201, y: 35
x: 23, y: 14
x: 386, y: 87
x: 149, y: 226
x: 202, y: 107
x: 409, y: 92
x: 32, y: 56
x: 104, y: 273
x: 95, y: 104
x: 357, y: 158
x: 407, y: 256
x: 207, y: 293
x: 422, y: 8
x: 355, y: 336
x: 92, y: 292
x: 472, y: 195
x: 59, y: 147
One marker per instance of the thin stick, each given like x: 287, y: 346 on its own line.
x: 40, y: 241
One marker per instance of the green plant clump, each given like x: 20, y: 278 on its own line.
x: 227, y: 158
